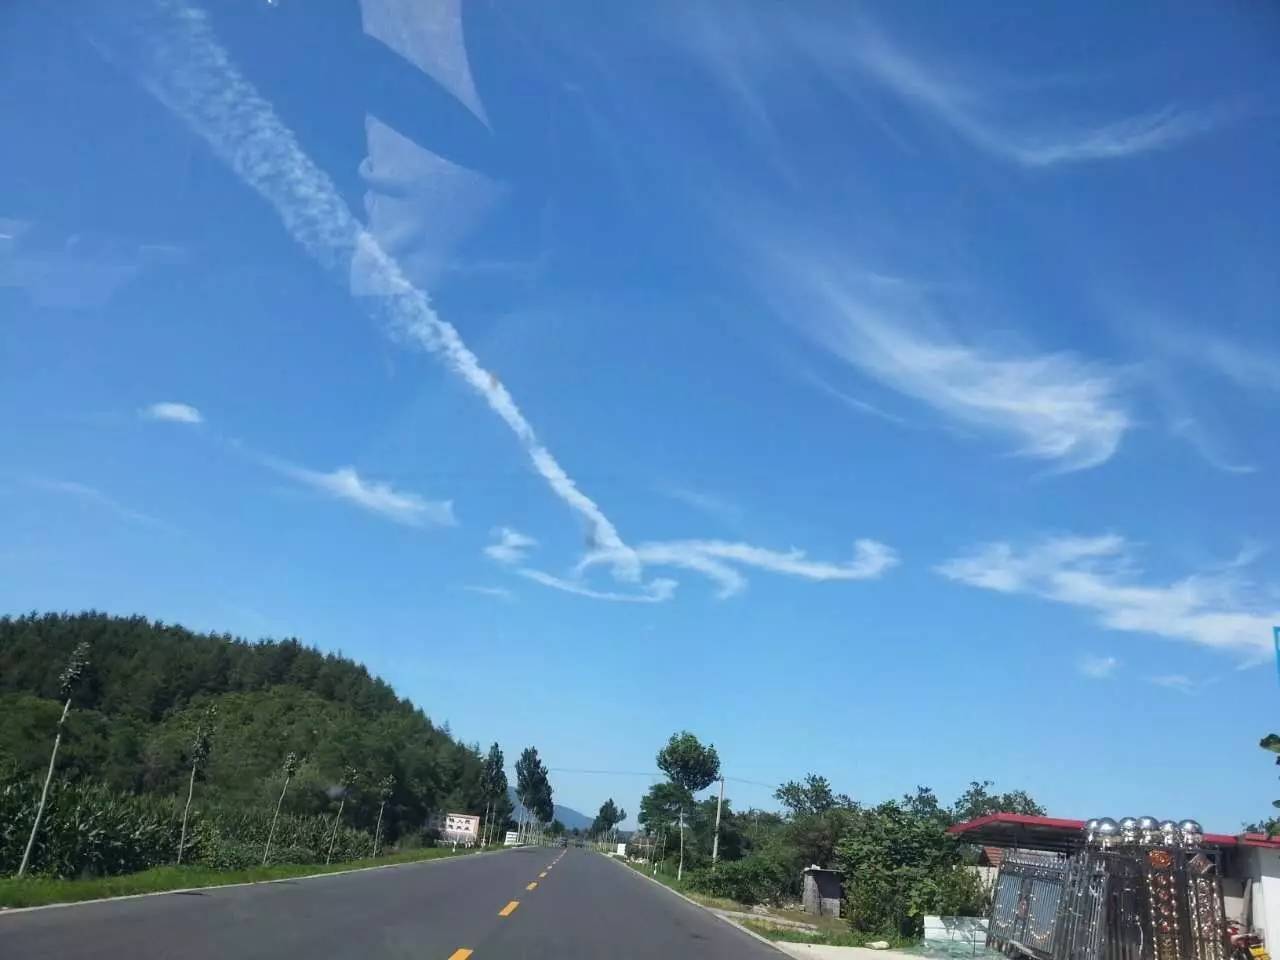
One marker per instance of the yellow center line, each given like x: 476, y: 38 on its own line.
x: 509, y: 909
x: 532, y: 886
x: 542, y: 875
x: 460, y: 954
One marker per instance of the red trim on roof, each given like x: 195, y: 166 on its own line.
x: 1020, y: 819
x: 1069, y: 826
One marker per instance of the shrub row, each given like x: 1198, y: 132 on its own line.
x: 89, y: 829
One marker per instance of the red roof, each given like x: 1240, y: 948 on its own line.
x: 1017, y: 829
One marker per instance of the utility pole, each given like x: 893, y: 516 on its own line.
x: 680, y: 869
x: 715, y: 841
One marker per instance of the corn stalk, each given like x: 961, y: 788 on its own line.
x: 66, y: 683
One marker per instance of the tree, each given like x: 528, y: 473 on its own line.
x: 687, y: 763
x: 350, y: 776
x: 290, y: 767
x: 67, y: 682
x: 386, y: 787
x: 609, y: 817
x: 557, y: 829
x: 532, y: 786
x: 493, y: 785
x: 813, y: 796
x: 979, y: 801
x: 691, y: 767
x: 900, y: 864
x: 200, y: 745
x: 1270, y: 826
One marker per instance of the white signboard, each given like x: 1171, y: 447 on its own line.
x: 510, y: 839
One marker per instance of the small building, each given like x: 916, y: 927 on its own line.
x: 1250, y: 861
x: 822, y: 891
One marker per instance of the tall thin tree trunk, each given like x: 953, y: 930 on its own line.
x: 378, y: 829
x: 334, y: 839
x: 44, y: 793
x: 191, y: 788
x: 271, y: 834
x: 680, y: 869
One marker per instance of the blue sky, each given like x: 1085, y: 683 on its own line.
x: 881, y: 391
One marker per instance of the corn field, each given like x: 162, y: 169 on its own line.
x: 90, y: 830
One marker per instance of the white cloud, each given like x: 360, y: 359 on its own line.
x: 658, y: 590
x: 1057, y: 407
x: 1100, y: 574
x: 95, y: 497
x: 1099, y: 668
x: 1175, y: 681
x: 345, y: 483
x: 512, y: 545
x: 753, y: 54
x: 712, y: 505
x: 715, y: 559
x: 1205, y: 444
x: 182, y: 64
x: 175, y: 412
x: 498, y: 593
x: 971, y: 114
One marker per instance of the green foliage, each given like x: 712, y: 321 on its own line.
x: 813, y: 797
x: 141, y: 712
x: 750, y: 881
x: 87, y: 829
x: 533, y: 786
x: 36, y: 891
x: 687, y: 763
x: 979, y: 801
x: 610, y: 816
x: 900, y: 864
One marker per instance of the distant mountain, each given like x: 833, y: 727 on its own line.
x: 567, y: 815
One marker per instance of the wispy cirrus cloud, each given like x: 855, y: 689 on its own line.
x: 976, y: 115
x: 1056, y: 406
x: 375, y: 496
x: 176, y: 55
x: 713, y: 505
x: 512, y: 545
x: 497, y: 593
x: 718, y: 560
x: 171, y: 411
x: 1099, y: 668
x: 178, y: 59
x: 751, y: 54
x: 1174, y: 681
x: 1100, y: 574
x: 658, y: 590
x: 96, y: 498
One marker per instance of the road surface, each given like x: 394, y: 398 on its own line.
x: 584, y: 906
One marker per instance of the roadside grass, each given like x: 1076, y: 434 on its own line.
x: 668, y: 880
x: 40, y: 891
x: 830, y: 936
x: 831, y: 931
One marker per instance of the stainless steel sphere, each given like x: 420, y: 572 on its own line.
x: 1108, y: 830
x: 1128, y: 829
x: 1192, y: 833
x: 1148, y: 831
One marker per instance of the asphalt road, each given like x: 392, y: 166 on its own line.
x: 584, y: 906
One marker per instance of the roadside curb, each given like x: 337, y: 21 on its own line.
x: 6, y: 911
x: 750, y: 933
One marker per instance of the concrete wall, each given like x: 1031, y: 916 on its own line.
x: 1263, y: 866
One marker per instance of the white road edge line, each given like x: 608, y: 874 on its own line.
x: 6, y: 911
x: 750, y: 933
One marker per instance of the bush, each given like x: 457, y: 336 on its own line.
x: 90, y: 829
x: 750, y: 881
x: 87, y: 829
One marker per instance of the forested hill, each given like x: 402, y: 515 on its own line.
x: 148, y: 685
